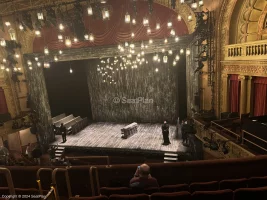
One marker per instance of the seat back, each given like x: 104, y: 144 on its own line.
x: 61, y: 182
x: 255, y: 182
x: 6, y: 180
x: 174, y: 188
x: 44, y: 180
x: 148, y: 190
x: 204, y: 186
x: 51, y: 195
x: 171, y: 196
x: 250, y: 193
x: 233, y: 184
x: 107, y: 191
x: 212, y: 195
x: 129, y: 197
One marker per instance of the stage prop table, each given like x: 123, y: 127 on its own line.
x: 129, y: 130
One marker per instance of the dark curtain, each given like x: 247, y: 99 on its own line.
x: 234, y: 93
x: 260, y: 96
x: 3, y: 105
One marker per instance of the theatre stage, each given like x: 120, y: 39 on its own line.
x: 108, y: 135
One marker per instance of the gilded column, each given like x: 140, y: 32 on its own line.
x: 243, y: 95
x: 249, y: 82
x: 225, y: 93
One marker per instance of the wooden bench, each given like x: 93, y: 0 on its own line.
x: 129, y: 130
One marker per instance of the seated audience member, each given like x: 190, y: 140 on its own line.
x: 142, y: 178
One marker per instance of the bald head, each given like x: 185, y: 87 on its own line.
x: 144, y: 170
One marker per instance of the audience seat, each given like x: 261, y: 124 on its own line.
x: 204, y: 186
x: 89, y: 198
x: 213, y: 195
x: 250, y: 193
x: 255, y: 182
x: 148, y: 191
x: 129, y: 197
x: 171, y: 196
x: 174, y: 188
x: 233, y: 184
x: 107, y: 191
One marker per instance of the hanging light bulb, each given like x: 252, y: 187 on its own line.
x: 165, y: 59
x: 187, y: 52
x: 38, y: 64
x: 200, y: 3
x: 127, y: 18
x: 30, y: 68
x: 174, y: 63
x: 60, y: 37
x: 177, y: 57
x: 21, y: 27
x: 158, y: 60
x: 170, y: 52
x: 46, y: 51
x: 189, y: 18
x: 71, y: 71
x: 38, y: 33
x: 40, y: 15
x: 2, y: 66
x: 19, y: 68
x: 142, y: 53
x: 132, y: 46
x: 7, y: 23
x: 158, y: 26
x: 179, y: 18
x: 142, y: 45
x: 166, y: 41
x: 4, y: 60
x: 55, y: 58
x: 15, y: 69
x: 122, y: 49
x: 46, y: 65
x: 91, y: 37
x: 172, y: 32
x: 145, y: 21
x: 7, y: 69
x: 194, y: 5
x: 155, y: 57
x: 29, y: 62
x: 181, y: 1
x: 156, y: 70
x: 133, y: 21
x: 163, y: 50
x: 68, y: 42
x: 2, y: 42
x: 90, y: 10
x: 36, y: 58
x: 148, y: 30
x: 61, y: 27
x: 17, y: 55
x: 181, y: 51
x: 86, y: 37
x: 60, y: 52
x: 75, y: 40
x: 150, y: 41
x: 146, y: 46
x: 169, y: 24
x: 132, y: 35
x: 176, y: 39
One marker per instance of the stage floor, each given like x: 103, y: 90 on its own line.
x: 108, y: 135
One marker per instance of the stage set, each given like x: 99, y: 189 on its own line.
x: 108, y: 135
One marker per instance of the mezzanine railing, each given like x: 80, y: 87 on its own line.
x: 247, y: 51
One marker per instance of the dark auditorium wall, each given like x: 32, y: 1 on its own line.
x: 68, y: 92
x: 161, y: 86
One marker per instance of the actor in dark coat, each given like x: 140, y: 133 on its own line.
x: 165, y: 133
x: 63, y: 132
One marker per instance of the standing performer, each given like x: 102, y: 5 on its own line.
x: 165, y: 133
x: 63, y: 132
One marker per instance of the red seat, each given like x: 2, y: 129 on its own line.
x: 171, y: 196
x: 204, y: 186
x: 107, y: 191
x: 233, y: 184
x: 213, y: 195
x: 148, y: 191
x: 174, y: 188
x: 129, y: 197
x: 255, y: 182
x: 89, y: 198
x: 250, y: 193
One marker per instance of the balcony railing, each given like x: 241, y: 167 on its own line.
x: 247, y: 51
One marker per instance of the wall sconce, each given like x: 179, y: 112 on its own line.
x: 12, y: 34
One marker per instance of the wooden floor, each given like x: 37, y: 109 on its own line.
x: 108, y: 135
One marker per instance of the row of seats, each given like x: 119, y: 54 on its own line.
x: 231, y: 184
x: 239, y: 194
x: 87, y: 180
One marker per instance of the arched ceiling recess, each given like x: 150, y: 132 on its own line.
x: 27, y: 38
x: 251, y: 24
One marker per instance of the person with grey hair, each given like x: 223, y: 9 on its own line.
x: 142, y: 178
